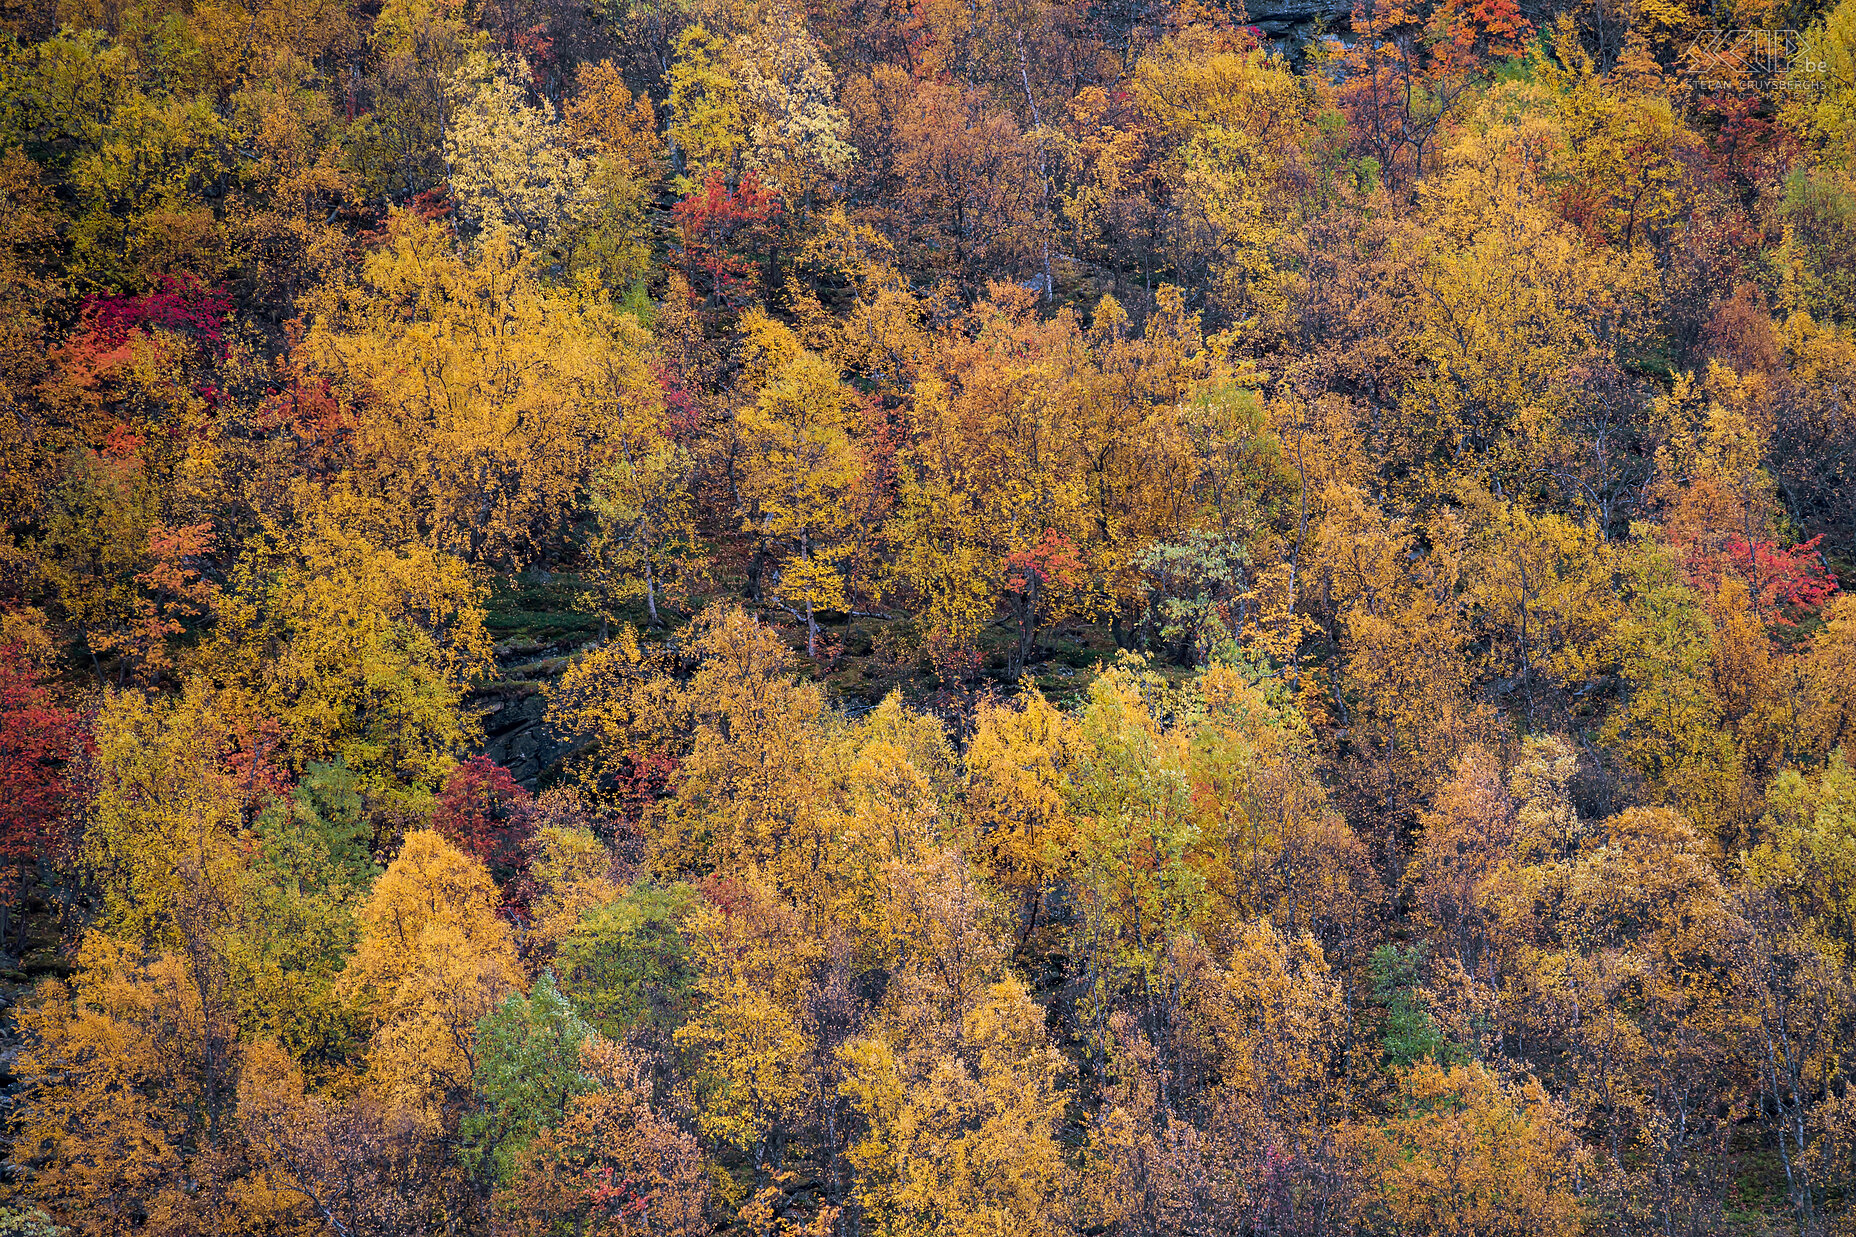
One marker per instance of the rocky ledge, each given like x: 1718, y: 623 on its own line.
x: 1292, y: 23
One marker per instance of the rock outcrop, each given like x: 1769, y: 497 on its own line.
x: 512, y: 707
x: 1290, y: 24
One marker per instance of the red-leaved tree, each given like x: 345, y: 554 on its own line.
x: 483, y: 812
x: 1041, y: 579
x: 38, y: 741
x: 1405, y: 74
x: 720, y: 230
x: 1784, y: 583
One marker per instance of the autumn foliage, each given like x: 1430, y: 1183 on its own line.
x: 1025, y: 618
x: 486, y: 815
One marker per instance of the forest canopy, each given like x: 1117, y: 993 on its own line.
x: 894, y: 618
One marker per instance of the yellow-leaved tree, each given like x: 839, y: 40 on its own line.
x: 1470, y: 1153
x: 747, y: 1041
x: 434, y: 958
x: 483, y: 400
x: 360, y: 644
x: 799, y: 469
x: 755, y: 786
x: 963, y: 1143
x: 136, y: 1076
x: 1018, y: 825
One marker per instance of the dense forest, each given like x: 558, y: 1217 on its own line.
x: 927, y: 618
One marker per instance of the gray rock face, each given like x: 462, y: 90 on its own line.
x: 1268, y: 13
x: 512, y: 709
x: 1294, y: 22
